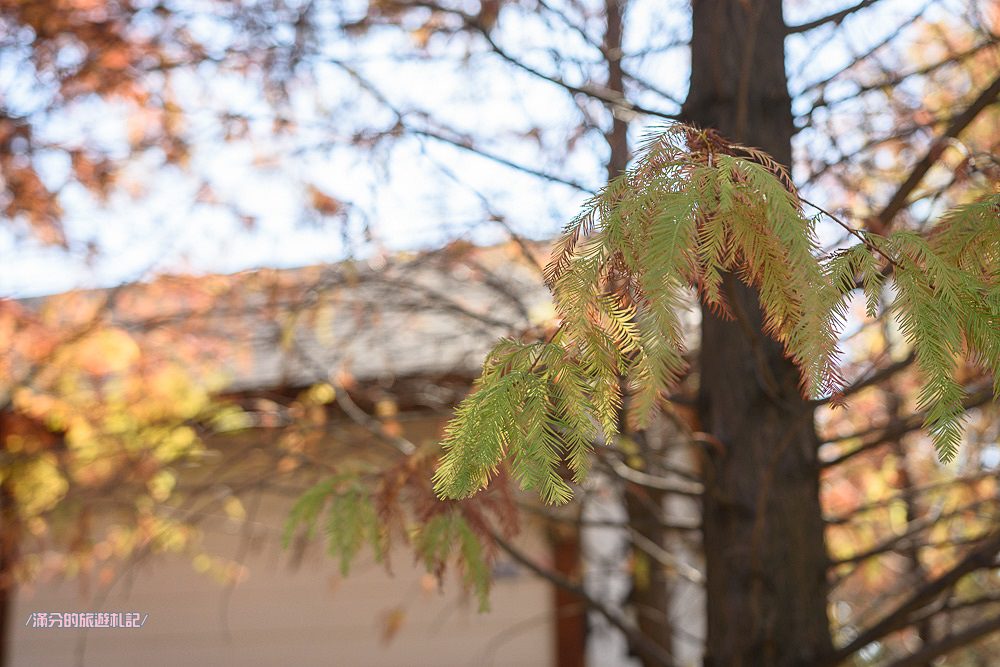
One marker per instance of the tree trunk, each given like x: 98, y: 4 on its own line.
x: 763, y: 527
x: 617, y: 134
x: 650, y: 595
x: 9, y: 531
x: 570, y: 611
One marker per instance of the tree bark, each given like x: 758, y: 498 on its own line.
x: 650, y: 595
x: 9, y: 532
x: 763, y: 529
x: 570, y: 611
x: 617, y: 134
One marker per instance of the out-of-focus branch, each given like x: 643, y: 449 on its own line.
x: 467, y: 146
x: 983, y: 556
x: 884, y: 434
x: 897, y: 79
x: 614, y: 100
x: 897, y: 542
x: 641, y: 644
x: 947, y: 644
x: 644, y: 479
x: 898, y: 201
x: 873, y: 378
x: 402, y: 126
x: 835, y: 18
x: 883, y: 502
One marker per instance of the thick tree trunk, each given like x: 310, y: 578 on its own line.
x: 763, y: 528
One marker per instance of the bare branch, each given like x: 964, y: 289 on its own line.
x: 983, y: 556
x: 638, y: 641
x: 947, y: 644
x: 875, y: 377
x: 915, y: 490
x: 656, y: 482
x: 457, y: 143
x: 895, y: 430
x: 835, y: 18
x: 893, y: 81
x: 614, y: 100
x: 900, y: 541
x: 958, y: 124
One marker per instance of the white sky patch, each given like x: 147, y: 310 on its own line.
x: 416, y: 192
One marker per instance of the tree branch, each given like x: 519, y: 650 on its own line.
x: 850, y: 515
x: 642, y: 645
x: 893, y: 81
x: 895, y: 430
x: 430, y: 134
x: 958, y: 124
x: 835, y: 18
x: 615, y: 101
x: 928, y: 652
x: 983, y: 556
x: 612, y: 99
x: 897, y: 542
x: 875, y: 377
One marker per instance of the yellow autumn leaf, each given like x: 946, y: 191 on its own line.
x: 161, y: 485
x: 176, y: 443
x: 106, y: 351
x: 38, y: 485
x: 234, y: 509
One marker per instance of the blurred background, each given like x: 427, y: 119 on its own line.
x: 257, y: 249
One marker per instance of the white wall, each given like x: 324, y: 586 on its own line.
x: 302, y: 616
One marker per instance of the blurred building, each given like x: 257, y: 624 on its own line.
x: 399, y: 342
x: 412, y: 335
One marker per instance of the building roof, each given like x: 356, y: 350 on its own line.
x: 433, y: 313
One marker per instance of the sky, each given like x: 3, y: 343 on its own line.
x: 419, y: 194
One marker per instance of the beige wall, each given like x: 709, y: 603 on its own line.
x: 281, y: 615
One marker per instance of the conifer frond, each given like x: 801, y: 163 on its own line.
x: 571, y: 415
x: 968, y: 238
x: 690, y: 210
x: 351, y: 518
x: 351, y: 523
x: 868, y: 268
x: 435, y: 542
x: 928, y: 323
x: 947, y: 287
x: 306, y: 510
x: 371, y: 509
x: 948, y: 305
x: 476, y: 440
